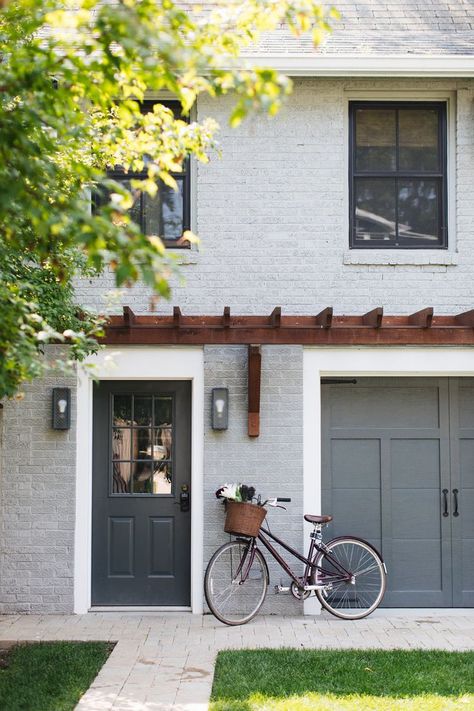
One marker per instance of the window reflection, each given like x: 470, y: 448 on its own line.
x: 142, y: 455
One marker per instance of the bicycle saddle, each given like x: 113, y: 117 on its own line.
x: 317, y: 519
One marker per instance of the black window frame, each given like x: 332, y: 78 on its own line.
x: 185, y: 175
x: 441, y: 175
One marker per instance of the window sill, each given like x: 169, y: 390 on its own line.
x: 384, y: 257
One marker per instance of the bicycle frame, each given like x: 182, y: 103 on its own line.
x: 316, y: 546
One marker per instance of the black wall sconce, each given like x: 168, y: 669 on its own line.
x: 220, y: 408
x: 61, y: 408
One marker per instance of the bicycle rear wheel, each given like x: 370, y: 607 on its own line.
x: 235, y: 585
x: 353, y: 596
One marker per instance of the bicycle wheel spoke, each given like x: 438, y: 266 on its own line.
x: 360, y: 591
x: 238, y: 601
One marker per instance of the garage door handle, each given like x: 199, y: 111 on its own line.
x: 445, y: 499
x: 455, y: 494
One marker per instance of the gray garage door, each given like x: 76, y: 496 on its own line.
x: 398, y: 469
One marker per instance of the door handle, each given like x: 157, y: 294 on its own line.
x: 455, y: 495
x: 184, y: 499
x: 445, y: 502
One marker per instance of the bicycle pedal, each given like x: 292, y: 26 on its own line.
x: 281, y: 589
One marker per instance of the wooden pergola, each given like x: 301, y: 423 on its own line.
x: 373, y: 328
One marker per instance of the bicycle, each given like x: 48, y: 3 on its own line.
x: 347, y: 574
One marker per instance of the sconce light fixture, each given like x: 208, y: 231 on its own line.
x: 61, y: 408
x: 220, y: 408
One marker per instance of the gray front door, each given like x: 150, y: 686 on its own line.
x: 141, y: 470
x: 394, y: 451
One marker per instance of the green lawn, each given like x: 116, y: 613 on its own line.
x: 49, y: 676
x: 353, y: 680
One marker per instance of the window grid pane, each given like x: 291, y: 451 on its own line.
x: 142, y: 449
x: 418, y: 176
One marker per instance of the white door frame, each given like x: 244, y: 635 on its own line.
x: 137, y: 363
x: 352, y: 362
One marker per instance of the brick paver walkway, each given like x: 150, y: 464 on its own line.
x: 166, y: 661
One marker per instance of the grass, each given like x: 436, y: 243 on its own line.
x: 340, y: 680
x: 49, y: 676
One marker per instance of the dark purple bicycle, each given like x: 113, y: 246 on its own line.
x: 347, y: 574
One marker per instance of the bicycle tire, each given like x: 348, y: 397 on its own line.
x: 351, y: 600
x: 247, y: 596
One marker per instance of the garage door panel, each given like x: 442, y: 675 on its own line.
x: 356, y: 461
x: 385, y: 463
x: 415, y: 514
x: 466, y: 407
x: 466, y: 457
x: 349, y: 509
x: 416, y: 565
x: 415, y: 462
x: 385, y: 407
x: 467, y: 573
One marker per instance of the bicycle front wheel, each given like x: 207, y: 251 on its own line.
x: 354, y: 577
x: 236, y: 582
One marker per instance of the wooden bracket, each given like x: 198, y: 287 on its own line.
x: 422, y: 319
x: 254, y: 376
x: 465, y: 319
x: 324, y: 318
x: 128, y: 317
x: 275, y: 317
x: 226, y: 317
x: 373, y: 318
x: 177, y: 316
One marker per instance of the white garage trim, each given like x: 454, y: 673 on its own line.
x: 137, y: 363
x: 353, y: 362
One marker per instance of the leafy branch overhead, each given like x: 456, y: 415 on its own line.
x: 72, y: 77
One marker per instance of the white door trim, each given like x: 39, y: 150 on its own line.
x: 353, y: 362
x: 137, y: 363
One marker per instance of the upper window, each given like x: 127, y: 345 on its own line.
x: 166, y: 215
x: 398, y: 175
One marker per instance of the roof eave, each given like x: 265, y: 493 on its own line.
x: 412, y: 65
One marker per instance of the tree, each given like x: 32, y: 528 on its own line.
x: 72, y: 77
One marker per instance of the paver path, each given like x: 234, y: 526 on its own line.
x: 166, y: 661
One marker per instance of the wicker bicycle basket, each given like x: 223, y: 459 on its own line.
x: 244, y: 519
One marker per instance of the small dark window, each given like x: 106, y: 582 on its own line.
x: 166, y: 215
x: 398, y: 175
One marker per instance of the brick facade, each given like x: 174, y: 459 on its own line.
x: 272, y: 218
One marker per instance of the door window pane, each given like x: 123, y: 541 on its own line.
x: 375, y: 210
x: 142, y: 444
x: 142, y: 477
x: 142, y: 411
x: 121, y: 477
x: 122, y: 410
x: 121, y: 443
x: 418, y: 210
x: 142, y: 454
x: 418, y: 136
x: 375, y: 140
x: 163, y: 411
x: 162, y: 478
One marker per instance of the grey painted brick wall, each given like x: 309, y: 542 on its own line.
x: 273, y: 462
x: 37, y: 499
x: 272, y: 216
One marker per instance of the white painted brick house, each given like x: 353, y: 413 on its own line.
x: 358, y: 195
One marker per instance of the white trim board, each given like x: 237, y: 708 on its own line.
x: 377, y: 65
x: 353, y: 362
x: 137, y: 363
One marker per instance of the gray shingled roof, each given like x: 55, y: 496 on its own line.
x: 368, y: 27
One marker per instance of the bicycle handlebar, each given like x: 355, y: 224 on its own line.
x: 282, y: 499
